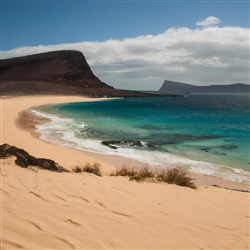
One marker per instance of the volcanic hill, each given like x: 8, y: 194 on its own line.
x: 179, y: 87
x: 58, y: 72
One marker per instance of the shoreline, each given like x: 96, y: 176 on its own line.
x: 27, y: 121
x: 14, y: 135
x: 121, y: 160
x: 50, y: 210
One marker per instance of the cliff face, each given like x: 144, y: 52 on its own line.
x: 66, y: 67
x: 178, y: 87
x: 58, y: 72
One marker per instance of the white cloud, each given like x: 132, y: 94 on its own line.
x: 198, y: 56
x: 211, y: 20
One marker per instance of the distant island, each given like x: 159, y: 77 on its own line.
x: 179, y: 87
x: 63, y: 72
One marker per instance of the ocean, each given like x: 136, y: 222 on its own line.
x: 206, y: 134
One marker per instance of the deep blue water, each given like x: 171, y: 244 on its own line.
x: 203, y: 133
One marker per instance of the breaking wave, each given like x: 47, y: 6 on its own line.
x: 70, y: 133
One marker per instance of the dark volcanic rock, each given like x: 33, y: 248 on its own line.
x: 68, y: 67
x: 126, y: 143
x: 58, y: 72
x: 24, y: 159
x: 178, y: 87
x: 164, y: 139
x: 223, y: 147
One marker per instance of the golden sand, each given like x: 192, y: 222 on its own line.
x: 46, y: 210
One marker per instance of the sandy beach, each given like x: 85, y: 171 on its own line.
x: 47, y: 210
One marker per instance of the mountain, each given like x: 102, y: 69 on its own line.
x: 57, y: 72
x: 178, y: 87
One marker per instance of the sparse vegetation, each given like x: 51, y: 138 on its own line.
x: 125, y: 171
x: 77, y: 169
x: 172, y: 176
x: 93, y: 168
x: 135, y: 174
x: 142, y: 174
x: 176, y: 176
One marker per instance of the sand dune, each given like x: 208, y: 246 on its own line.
x: 47, y: 210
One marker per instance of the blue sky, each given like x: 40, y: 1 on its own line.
x: 30, y: 23
x: 136, y: 44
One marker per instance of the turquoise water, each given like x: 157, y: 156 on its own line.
x: 206, y: 134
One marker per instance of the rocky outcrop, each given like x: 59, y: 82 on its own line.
x: 127, y: 143
x: 178, y: 87
x: 24, y: 159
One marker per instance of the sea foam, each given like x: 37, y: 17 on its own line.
x: 66, y: 132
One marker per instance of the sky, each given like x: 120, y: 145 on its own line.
x: 136, y: 44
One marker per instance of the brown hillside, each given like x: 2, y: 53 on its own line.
x: 58, y: 72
